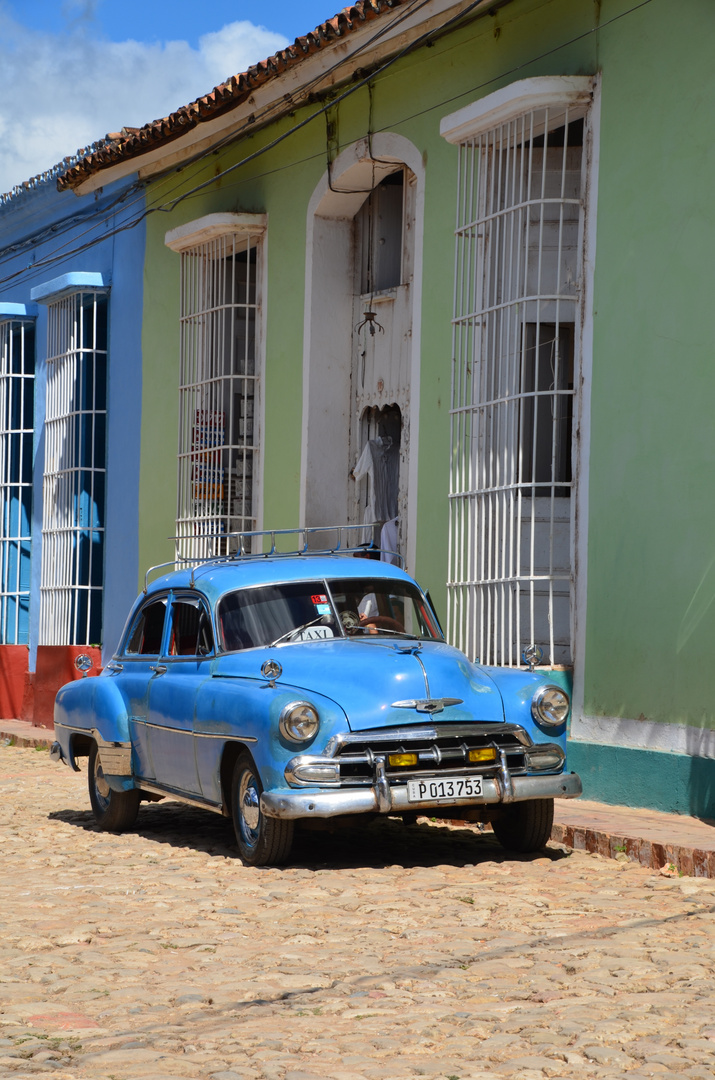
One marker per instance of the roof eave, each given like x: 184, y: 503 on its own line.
x: 189, y: 132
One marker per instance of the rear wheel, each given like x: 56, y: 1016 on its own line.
x: 524, y: 826
x: 261, y: 840
x: 114, y: 811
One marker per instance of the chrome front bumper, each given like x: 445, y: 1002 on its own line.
x: 383, y: 798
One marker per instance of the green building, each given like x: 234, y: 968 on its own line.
x: 468, y: 246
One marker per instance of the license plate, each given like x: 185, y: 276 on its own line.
x: 452, y: 787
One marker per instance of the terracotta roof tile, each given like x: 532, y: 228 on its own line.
x: 54, y: 171
x: 132, y: 142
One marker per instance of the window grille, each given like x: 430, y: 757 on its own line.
x: 517, y: 282
x: 218, y: 395
x: 17, y: 402
x: 75, y: 472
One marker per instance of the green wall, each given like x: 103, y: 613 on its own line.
x: 651, y: 552
x: 410, y: 99
x: 651, y: 543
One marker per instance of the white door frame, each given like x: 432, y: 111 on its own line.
x: 328, y: 319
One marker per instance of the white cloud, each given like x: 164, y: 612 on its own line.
x: 62, y: 92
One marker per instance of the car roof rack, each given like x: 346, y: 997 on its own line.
x: 306, y: 546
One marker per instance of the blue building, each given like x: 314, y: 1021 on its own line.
x: 71, y: 273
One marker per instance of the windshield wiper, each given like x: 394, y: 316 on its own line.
x: 324, y: 619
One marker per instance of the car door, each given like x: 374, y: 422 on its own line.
x: 184, y: 664
x: 133, y: 669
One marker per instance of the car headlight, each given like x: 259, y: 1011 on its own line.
x: 299, y: 721
x: 550, y: 706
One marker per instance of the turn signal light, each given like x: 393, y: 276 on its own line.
x: 402, y: 760
x: 488, y: 753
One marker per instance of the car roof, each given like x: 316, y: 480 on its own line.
x: 213, y: 579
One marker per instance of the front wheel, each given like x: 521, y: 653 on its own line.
x: 524, y: 826
x: 261, y: 840
x: 114, y: 811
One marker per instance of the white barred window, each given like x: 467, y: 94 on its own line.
x: 219, y: 381
x: 518, y: 277
x: 73, y: 515
x: 17, y: 395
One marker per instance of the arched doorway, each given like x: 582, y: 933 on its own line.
x: 361, y: 348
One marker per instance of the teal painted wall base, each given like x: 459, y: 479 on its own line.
x: 674, y: 783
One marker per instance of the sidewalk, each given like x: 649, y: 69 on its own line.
x: 20, y: 733
x: 672, y: 843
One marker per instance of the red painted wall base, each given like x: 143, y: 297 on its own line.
x: 14, y: 680
x: 30, y: 695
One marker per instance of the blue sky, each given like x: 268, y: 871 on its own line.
x: 73, y: 70
x: 162, y: 20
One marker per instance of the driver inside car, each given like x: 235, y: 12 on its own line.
x: 371, y: 618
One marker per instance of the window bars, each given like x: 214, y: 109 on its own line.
x: 218, y: 395
x: 17, y: 398
x: 517, y: 281
x: 75, y: 472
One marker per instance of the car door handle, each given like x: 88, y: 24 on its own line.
x: 160, y: 669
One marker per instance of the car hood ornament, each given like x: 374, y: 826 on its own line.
x: 532, y: 655
x: 271, y: 670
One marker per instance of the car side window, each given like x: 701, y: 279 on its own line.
x: 190, y: 628
x: 146, y: 633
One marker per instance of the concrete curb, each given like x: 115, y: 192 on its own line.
x: 677, y: 858
x: 20, y: 733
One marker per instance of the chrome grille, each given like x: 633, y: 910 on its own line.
x: 440, y: 750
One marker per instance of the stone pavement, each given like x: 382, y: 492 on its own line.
x: 382, y: 952
x: 672, y: 842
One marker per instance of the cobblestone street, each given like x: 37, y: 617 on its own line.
x: 390, y: 952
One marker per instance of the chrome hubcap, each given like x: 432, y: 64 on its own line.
x: 100, y: 784
x: 250, y: 809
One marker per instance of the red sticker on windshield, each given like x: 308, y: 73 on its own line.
x: 319, y: 599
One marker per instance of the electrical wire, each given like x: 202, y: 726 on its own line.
x: 236, y: 134
x: 168, y: 205
x: 417, y: 43
x: 388, y: 63
x: 279, y: 107
x: 260, y: 117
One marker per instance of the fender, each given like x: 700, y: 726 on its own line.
x: 517, y: 688
x: 232, y: 709
x: 94, y: 707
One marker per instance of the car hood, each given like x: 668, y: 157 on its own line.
x: 366, y: 678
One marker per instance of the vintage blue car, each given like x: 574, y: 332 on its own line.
x: 286, y: 688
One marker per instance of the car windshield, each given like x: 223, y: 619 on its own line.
x: 271, y: 614
x: 383, y: 607
x: 309, y: 611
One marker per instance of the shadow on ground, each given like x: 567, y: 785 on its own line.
x: 383, y: 842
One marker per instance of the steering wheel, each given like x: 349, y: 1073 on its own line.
x: 382, y: 622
